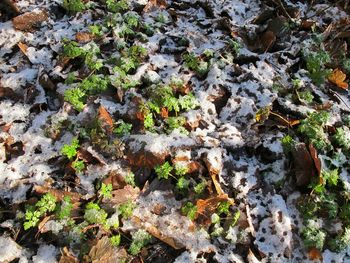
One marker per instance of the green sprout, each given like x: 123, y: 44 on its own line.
x: 139, y: 239
x: 163, y: 171
x: 106, y: 191
x: 126, y: 210
x: 70, y: 151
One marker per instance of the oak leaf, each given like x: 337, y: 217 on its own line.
x: 338, y: 78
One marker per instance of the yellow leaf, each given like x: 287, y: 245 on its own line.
x: 338, y: 78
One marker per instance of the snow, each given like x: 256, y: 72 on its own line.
x: 9, y: 250
x: 46, y: 254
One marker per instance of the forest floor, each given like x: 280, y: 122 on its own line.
x: 174, y: 131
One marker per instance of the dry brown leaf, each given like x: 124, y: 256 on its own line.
x: 315, y: 254
x: 338, y: 78
x: 67, y: 257
x: 106, y: 119
x: 205, y: 208
x: 123, y: 195
x: 105, y: 252
x: 317, y: 161
x: 164, y: 113
x: 304, y: 167
x: 41, y: 226
x: 268, y: 39
x: 29, y: 20
x: 89, y: 157
x: 59, y: 194
x: 155, y: 4
x: 83, y: 37
x: 23, y: 47
x: 169, y: 240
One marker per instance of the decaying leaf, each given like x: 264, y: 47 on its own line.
x: 205, y: 208
x: 304, y: 166
x: 157, y: 234
x: 338, y: 78
x: 83, y: 37
x: 268, y: 39
x: 29, y: 20
x: 23, y: 47
x: 315, y: 254
x: 67, y: 257
x: 106, y: 119
x: 155, y: 4
x: 59, y: 194
x: 123, y: 195
x: 105, y: 252
x: 317, y: 161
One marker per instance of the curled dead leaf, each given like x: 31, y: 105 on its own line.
x: 338, y: 78
x: 67, y: 257
x: 83, y: 37
x: 106, y: 119
x: 28, y: 21
x: 59, y: 194
x: 304, y: 166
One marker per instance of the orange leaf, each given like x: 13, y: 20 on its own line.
x: 106, y: 119
x: 164, y: 113
x: 205, y: 208
x: 315, y: 254
x: 338, y: 78
x: 23, y: 47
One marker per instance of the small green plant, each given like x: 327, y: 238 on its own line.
x: 123, y: 128
x: 312, y: 128
x: 96, y: 30
x: 65, y: 209
x: 115, y: 240
x: 194, y: 63
x: 329, y: 178
x: 117, y: 6
x: 33, y: 214
x: 126, y: 210
x: 78, y: 165
x: 70, y: 151
x: 224, y: 208
x: 106, y: 191
x: 306, y: 96
x: 190, y: 210
x: 288, y: 143
x: 163, y: 171
x: 199, y: 188
x: 341, y: 139
x: 130, y: 179
x: 313, y: 237
x: 71, y: 49
x: 315, y: 64
x: 139, y: 240
x: 74, y: 6
x: 341, y: 242
x: 181, y: 170
x: 94, y: 214
x: 90, y: 86
x: 235, y: 218
x: 182, y: 184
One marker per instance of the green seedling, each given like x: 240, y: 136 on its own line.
x: 126, y: 210
x: 163, y: 171
x: 70, y: 151
x: 139, y: 240
x: 190, y: 210
x: 106, y: 191
x: 74, y: 6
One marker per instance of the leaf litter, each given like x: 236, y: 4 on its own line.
x: 257, y: 71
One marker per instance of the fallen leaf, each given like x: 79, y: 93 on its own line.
x: 67, y: 257
x: 268, y: 39
x: 59, y: 194
x: 314, y: 254
x: 206, y: 207
x: 169, y: 240
x: 23, y: 47
x: 123, y: 195
x: 106, y: 119
x: 304, y: 167
x: 83, y: 37
x: 105, y: 252
x: 338, y: 78
x: 155, y: 4
x: 317, y: 161
x: 90, y: 157
x: 29, y: 20
x: 164, y: 113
